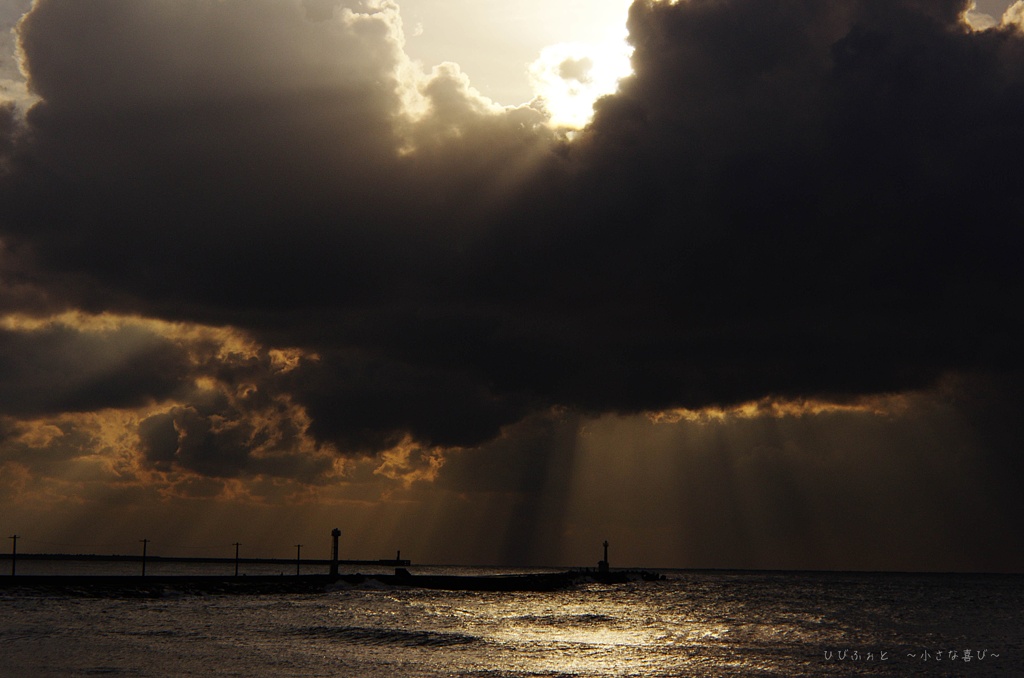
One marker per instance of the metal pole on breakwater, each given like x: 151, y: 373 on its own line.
x: 298, y: 558
x: 14, y: 553
x: 237, y: 544
x: 145, y: 543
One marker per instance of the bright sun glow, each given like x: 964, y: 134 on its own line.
x: 570, y: 77
x: 564, y: 54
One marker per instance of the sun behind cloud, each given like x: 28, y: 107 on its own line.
x: 569, y: 77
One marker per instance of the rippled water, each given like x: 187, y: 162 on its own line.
x: 693, y: 624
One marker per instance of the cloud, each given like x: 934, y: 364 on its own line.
x: 576, y: 69
x: 1014, y: 15
x: 9, y: 15
x: 787, y: 200
x: 56, y: 369
x: 139, y: 397
x: 796, y: 202
x: 229, y: 442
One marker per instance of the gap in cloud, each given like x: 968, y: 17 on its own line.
x: 13, y: 85
x: 985, y: 14
x: 568, y: 78
x: 527, y: 51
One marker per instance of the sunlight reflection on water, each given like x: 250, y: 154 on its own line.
x: 699, y: 624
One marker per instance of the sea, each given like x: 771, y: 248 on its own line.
x: 692, y: 623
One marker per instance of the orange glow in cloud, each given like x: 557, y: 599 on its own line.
x: 228, y: 341
x: 410, y: 463
x: 879, y: 405
x: 104, y: 444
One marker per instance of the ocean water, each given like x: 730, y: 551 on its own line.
x: 691, y: 624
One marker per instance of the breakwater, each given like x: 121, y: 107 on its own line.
x: 202, y: 560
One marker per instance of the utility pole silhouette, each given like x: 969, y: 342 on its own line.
x: 237, y: 544
x: 14, y: 553
x: 145, y: 543
x: 298, y: 558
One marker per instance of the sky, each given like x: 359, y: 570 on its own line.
x: 485, y: 284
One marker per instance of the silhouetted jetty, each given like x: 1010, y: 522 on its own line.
x: 159, y: 586
x: 163, y: 585
x: 201, y: 560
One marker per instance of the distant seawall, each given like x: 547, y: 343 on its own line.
x: 97, y: 558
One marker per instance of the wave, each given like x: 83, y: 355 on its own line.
x: 368, y: 635
x: 566, y: 619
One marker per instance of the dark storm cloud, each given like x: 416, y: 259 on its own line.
x: 198, y: 135
x: 789, y: 197
x: 241, y: 155
x: 365, y: 403
x: 8, y: 127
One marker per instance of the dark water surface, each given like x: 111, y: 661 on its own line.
x: 692, y: 624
